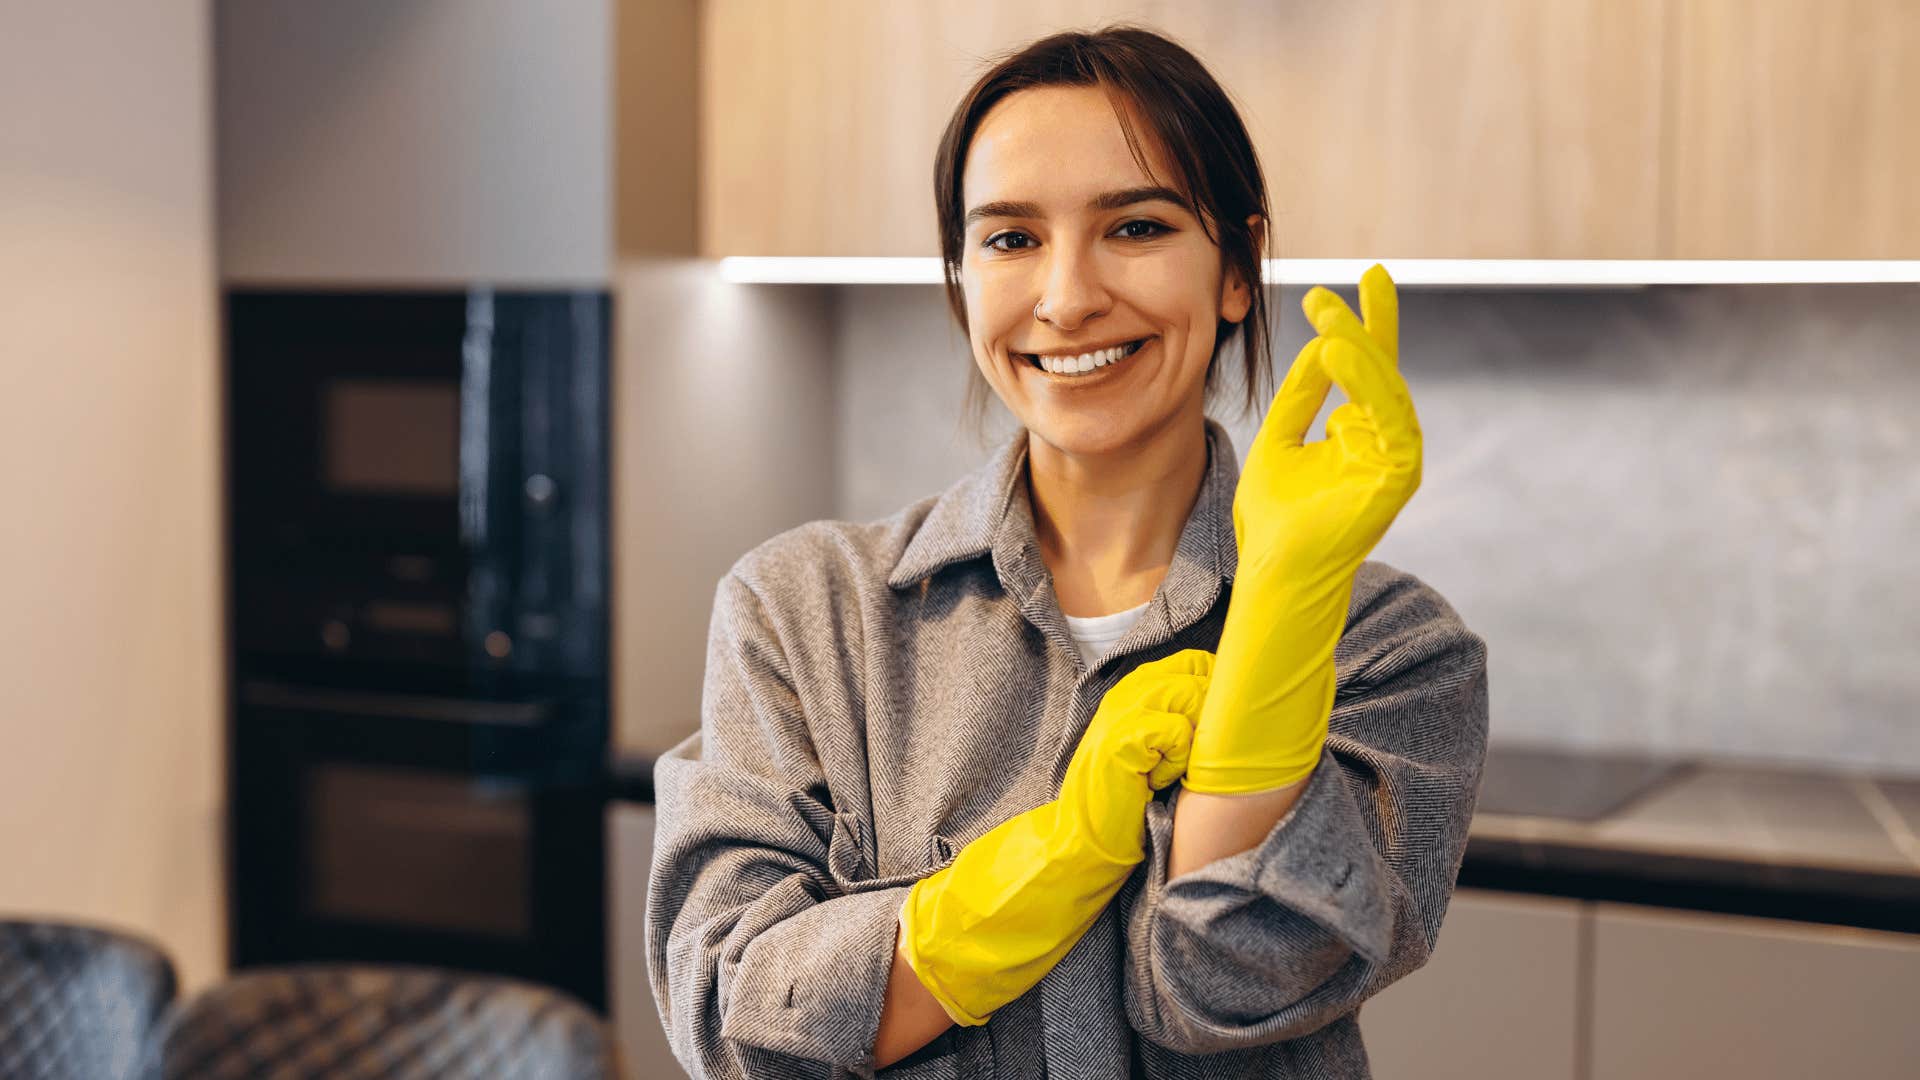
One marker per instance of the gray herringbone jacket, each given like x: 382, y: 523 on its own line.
x: 878, y: 695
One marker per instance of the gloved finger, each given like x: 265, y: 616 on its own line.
x: 1184, y: 662
x: 1171, y: 735
x: 1351, y: 429
x: 1301, y: 395
x: 1380, y: 309
x: 1136, y: 742
x: 1173, y: 692
x: 1332, y: 318
x: 1380, y: 391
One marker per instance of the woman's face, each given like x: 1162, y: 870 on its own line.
x: 1072, y: 252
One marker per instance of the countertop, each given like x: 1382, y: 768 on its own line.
x: 1809, y: 843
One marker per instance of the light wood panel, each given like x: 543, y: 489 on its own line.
x: 1499, y: 128
x: 111, y: 546
x: 1490, y: 129
x: 656, y: 128
x: 1795, y: 129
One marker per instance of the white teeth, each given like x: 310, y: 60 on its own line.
x: 1085, y: 362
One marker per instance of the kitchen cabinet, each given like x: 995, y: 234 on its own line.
x: 1498, y: 999
x: 1498, y: 129
x: 364, y: 144
x: 1682, y: 994
x: 1588, y: 129
x: 1794, y: 134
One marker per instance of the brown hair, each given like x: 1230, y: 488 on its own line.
x: 1189, y: 115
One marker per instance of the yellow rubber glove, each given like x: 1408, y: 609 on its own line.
x: 988, y: 926
x: 1305, y: 516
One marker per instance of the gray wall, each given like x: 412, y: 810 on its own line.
x: 723, y: 436
x: 1677, y: 515
x: 430, y: 142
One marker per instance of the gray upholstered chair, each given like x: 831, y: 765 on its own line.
x: 363, y: 1022
x: 78, y: 1002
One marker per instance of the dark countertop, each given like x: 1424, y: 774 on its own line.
x: 1815, y: 844
x: 1809, y: 843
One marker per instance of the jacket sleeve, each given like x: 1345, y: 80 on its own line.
x: 764, y: 961
x: 1346, y: 893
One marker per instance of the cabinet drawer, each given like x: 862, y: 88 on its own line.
x: 1685, y: 995
x: 1498, y: 999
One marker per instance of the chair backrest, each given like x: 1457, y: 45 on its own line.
x: 362, y: 1022
x: 77, y: 1002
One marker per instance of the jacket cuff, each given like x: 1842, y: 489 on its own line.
x: 1318, y: 861
x: 813, y: 985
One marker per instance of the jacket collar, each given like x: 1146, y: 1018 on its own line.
x: 988, y: 513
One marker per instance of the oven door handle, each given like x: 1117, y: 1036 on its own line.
x: 278, y: 695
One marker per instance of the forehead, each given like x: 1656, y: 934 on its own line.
x: 1057, y: 146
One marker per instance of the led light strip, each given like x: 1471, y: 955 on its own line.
x: 1471, y: 273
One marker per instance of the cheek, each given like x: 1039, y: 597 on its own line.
x: 1174, y: 295
x: 994, y: 315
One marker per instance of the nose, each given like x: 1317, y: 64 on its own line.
x: 1071, y: 292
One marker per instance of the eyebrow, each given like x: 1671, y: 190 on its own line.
x: 1106, y: 200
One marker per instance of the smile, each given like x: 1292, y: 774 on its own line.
x: 1077, y: 364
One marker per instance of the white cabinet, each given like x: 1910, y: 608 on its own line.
x: 636, y: 1022
x: 1687, y: 995
x: 1499, y: 998
x: 370, y: 144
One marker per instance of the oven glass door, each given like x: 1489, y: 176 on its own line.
x: 418, y: 849
x: 397, y: 828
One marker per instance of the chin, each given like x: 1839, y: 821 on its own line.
x: 1090, y: 433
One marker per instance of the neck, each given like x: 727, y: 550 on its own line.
x: 1108, y: 524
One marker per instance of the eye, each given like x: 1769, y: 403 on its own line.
x: 1011, y: 234
x: 1141, y: 229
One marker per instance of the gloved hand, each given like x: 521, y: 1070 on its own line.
x: 988, y: 926
x: 1305, y: 517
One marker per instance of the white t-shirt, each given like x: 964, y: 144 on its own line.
x: 1095, y: 634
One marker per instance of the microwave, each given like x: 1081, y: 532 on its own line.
x: 417, y: 497
x: 419, y: 479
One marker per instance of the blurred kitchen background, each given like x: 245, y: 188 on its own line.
x: 380, y: 414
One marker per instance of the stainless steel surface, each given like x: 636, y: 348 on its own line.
x: 1844, y: 819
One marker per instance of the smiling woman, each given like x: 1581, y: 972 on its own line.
x: 1112, y: 759
x: 1158, y: 165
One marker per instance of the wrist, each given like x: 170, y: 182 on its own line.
x: 1262, y: 735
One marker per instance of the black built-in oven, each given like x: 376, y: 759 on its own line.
x: 418, y: 524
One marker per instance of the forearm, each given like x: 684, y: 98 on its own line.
x: 910, y: 1018
x: 1209, y: 827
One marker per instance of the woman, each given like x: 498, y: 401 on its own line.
x: 930, y: 820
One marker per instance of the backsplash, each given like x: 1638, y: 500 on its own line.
x: 1679, y: 516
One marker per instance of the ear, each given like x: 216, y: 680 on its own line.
x: 1236, y: 295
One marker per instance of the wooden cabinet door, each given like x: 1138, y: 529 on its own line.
x: 1796, y: 129
x: 1498, y: 1000
x: 1686, y: 995
x: 1487, y: 129
x: 1400, y: 128
x: 819, y: 118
